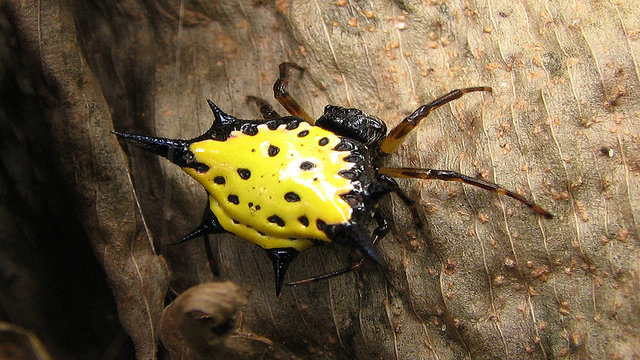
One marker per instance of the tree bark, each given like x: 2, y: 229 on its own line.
x: 484, y: 278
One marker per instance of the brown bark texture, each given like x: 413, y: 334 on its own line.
x: 485, y: 278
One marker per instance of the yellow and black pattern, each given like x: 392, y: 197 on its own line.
x: 277, y: 188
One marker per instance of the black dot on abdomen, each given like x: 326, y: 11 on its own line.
x: 233, y: 199
x: 343, y: 146
x: 244, y: 173
x: 202, y: 168
x: 321, y: 225
x: 307, y: 165
x: 304, y: 221
x: 303, y: 133
x: 291, y: 197
x: 349, y: 175
x: 273, y: 150
x: 272, y: 124
x: 276, y: 220
x: 219, y: 180
x: 324, y: 141
x: 249, y: 129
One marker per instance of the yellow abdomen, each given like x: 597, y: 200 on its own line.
x: 277, y: 188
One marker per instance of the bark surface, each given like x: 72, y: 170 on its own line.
x: 485, y: 278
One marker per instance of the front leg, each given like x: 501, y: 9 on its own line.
x: 447, y: 175
x: 392, y: 186
x: 396, y: 136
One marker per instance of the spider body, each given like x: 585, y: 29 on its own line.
x: 286, y: 183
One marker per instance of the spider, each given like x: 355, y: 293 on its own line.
x: 287, y: 183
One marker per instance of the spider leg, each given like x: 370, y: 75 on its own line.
x: 281, y: 94
x: 397, y: 135
x: 447, y: 175
x: 378, y: 233
x: 265, y: 108
x: 392, y: 186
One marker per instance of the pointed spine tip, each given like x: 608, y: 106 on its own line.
x: 281, y: 258
x: 122, y: 135
x: 219, y: 115
x: 197, y: 232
